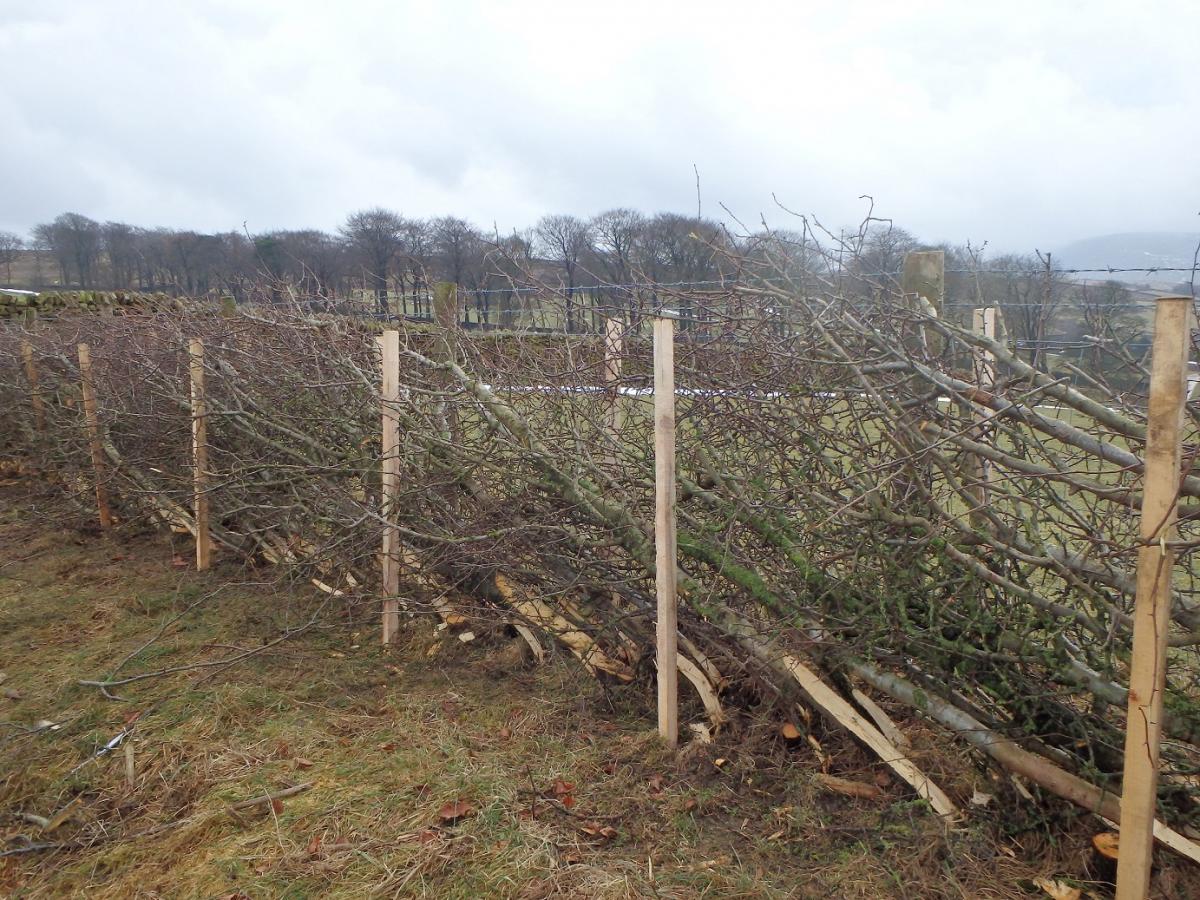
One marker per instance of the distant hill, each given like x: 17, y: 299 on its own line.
x: 1146, y: 249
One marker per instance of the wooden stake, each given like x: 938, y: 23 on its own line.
x: 666, y: 552
x: 447, y: 305
x: 923, y: 280
x: 200, y: 501
x: 389, y: 347
x: 92, y: 421
x: 35, y: 393
x: 609, y: 453
x: 613, y: 349
x: 984, y: 323
x: 130, y: 772
x: 924, y: 275
x: 1152, y: 610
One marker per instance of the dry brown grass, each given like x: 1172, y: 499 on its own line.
x: 388, y: 738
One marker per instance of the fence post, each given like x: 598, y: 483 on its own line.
x: 613, y: 350
x: 35, y: 393
x: 200, y: 499
x: 92, y: 421
x: 665, y: 550
x: 1152, y: 610
x: 984, y: 324
x: 924, y: 276
x: 446, y: 305
x: 389, y: 347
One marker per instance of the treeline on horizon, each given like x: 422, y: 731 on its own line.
x: 396, y: 259
x: 384, y: 250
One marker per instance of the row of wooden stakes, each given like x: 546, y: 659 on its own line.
x: 100, y: 474
x: 1172, y: 343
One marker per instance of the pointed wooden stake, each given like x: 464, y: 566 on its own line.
x: 1152, y: 609
x: 389, y: 347
x: 92, y: 421
x: 923, y: 281
x: 35, y: 393
x: 666, y: 551
x: 984, y: 323
x: 613, y: 350
x: 200, y: 499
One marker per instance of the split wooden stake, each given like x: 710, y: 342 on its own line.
x: 1152, y: 610
x: 35, y: 392
x: 389, y: 351
x: 200, y: 500
x: 666, y: 551
x: 92, y: 421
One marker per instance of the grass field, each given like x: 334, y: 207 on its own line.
x: 433, y: 770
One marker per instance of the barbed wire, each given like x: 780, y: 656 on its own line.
x: 734, y: 282
x: 595, y: 287
x: 1111, y: 270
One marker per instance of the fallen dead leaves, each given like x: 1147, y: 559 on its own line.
x: 452, y: 811
x: 598, y: 831
x: 563, y: 792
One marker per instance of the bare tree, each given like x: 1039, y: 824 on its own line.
x: 883, y: 248
x: 376, y: 234
x: 676, y: 248
x: 191, y: 259
x: 75, y: 242
x: 1029, y: 296
x: 1119, y: 329
x: 311, y: 262
x: 615, y: 234
x: 416, y: 249
x: 120, y: 243
x: 232, y: 264
x: 11, y: 246
x: 509, y: 263
x: 455, y: 246
x: 458, y: 252
x: 564, y: 239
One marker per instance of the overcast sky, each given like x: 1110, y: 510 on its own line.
x: 1025, y: 124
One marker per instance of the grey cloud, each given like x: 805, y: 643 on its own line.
x: 1027, y: 125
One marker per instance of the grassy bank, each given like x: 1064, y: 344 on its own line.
x: 437, y: 769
